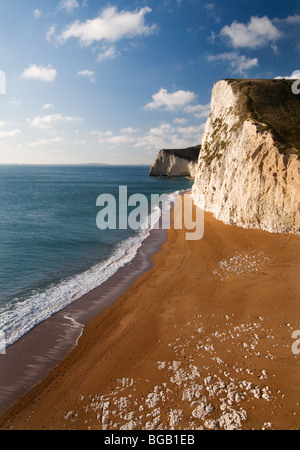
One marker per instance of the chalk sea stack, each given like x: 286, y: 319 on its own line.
x: 176, y: 163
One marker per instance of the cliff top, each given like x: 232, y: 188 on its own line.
x: 272, y: 104
x: 190, y: 153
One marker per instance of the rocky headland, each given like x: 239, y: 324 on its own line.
x: 176, y: 163
x: 248, y: 172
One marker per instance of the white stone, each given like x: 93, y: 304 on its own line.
x: 202, y: 411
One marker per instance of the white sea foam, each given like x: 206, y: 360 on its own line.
x: 18, y: 317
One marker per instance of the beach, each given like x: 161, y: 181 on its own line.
x: 28, y: 360
x: 202, y: 340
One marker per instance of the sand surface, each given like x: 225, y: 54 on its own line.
x: 31, y: 358
x: 201, y: 341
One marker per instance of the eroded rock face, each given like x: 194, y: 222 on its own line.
x: 176, y: 163
x: 248, y: 171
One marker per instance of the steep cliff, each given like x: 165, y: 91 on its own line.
x: 176, y: 163
x: 248, y: 172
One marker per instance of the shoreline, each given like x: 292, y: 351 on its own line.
x: 202, y: 340
x: 30, y: 359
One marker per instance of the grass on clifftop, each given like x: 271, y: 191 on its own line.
x: 272, y: 104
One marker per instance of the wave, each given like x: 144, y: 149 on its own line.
x: 18, y: 317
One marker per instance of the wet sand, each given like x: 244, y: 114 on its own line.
x: 200, y: 341
x: 29, y: 360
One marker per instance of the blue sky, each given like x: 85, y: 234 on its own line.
x: 91, y: 81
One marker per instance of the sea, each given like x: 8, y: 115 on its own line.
x: 51, y: 250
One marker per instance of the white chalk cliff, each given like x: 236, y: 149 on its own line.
x: 248, y: 173
x: 176, y: 163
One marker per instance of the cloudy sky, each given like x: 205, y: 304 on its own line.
x: 91, y: 81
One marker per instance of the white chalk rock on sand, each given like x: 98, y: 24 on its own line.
x: 202, y: 411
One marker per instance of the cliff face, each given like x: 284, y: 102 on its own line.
x: 176, y: 163
x: 248, y: 171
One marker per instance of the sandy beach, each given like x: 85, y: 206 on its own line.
x: 31, y: 358
x: 203, y: 340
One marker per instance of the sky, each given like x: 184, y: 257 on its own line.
x: 91, y: 81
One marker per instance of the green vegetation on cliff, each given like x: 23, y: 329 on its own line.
x: 274, y: 108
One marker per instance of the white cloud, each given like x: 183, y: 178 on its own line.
x: 199, y: 111
x: 37, y: 13
x: 50, y: 33
x: 195, y: 131
x: 259, y: 32
x: 47, y: 122
x: 45, y: 74
x: 15, y: 102
x: 180, y: 120
x: 129, y: 130
x: 163, y: 129
x: 107, y: 53
x: 213, y: 12
x: 3, y: 123
x: 68, y: 5
x: 290, y: 20
x: 293, y: 20
x: 295, y: 76
x: 90, y: 74
x: 81, y: 142
x: 102, y: 135
x: 166, y: 136
x: 178, y: 101
x: 56, y: 140
x: 9, y: 133
x: 110, y: 26
x: 152, y: 142
x: 48, y: 106
x: 122, y: 139
x: 170, y: 102
x: 239, y: 64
